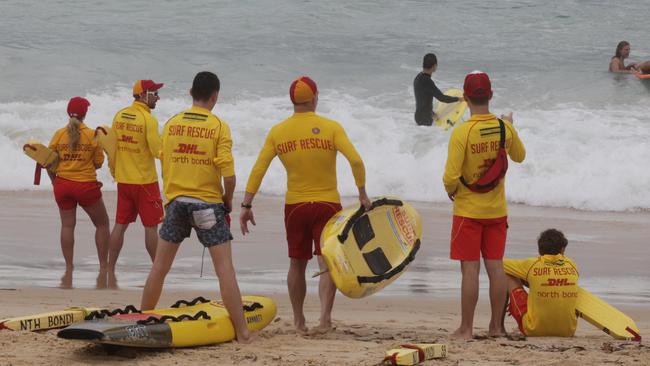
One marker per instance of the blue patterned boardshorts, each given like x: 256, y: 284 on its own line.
x: 207, y: 219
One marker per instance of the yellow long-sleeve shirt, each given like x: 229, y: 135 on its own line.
x: 138, y: 144
x: 553, y: 292
x: 473, y: 146
x: 196, y: 153
x: 307, y: 145
x: 77, y: 164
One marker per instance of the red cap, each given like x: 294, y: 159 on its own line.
x: 302, y: 90
x: 77, y: 107
x: 477, y: 85
x: 142, y: 86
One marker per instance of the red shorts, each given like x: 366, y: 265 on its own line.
x: 139, y: 199
x: 69, y: 193
x: 304, y: 223
x: 518, y: 306
x: 472, y: 237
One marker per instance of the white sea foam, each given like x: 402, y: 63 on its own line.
x: 576, y: 156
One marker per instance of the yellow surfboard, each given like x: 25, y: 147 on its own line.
x: 197, y: 324
x: 602, y: 315
x: 40, y: 153
x: 51, y: 320
x: 367, y: 250
x: 107, y: 139
x: 447, y: 114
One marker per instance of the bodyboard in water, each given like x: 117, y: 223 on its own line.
x: 447, y: 114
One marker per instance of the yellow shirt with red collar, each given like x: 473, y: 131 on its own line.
x: 307, y: 145
x: 553, y: 293
x: 473, y: 146
x: 78, y: 164
x: 196, y: 153
x: 138, y: 144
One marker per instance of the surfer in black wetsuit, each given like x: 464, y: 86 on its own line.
x: 425, y: 90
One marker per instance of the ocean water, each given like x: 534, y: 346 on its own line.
x: 586, y: 131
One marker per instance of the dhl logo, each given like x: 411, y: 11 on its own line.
x: 189, y: 149
x: 127, y: 139
x: 558, y: 282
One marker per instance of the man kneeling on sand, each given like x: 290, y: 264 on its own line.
x: 549, y: 307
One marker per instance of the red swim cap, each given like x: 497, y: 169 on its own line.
x: 302, y: 90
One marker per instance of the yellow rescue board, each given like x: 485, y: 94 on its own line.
x: 107, y: 139
x: 185, y: 326
x: 447, y: 114
x: 367, y: 250
x: 51, y: 320
x: 602, y: 315
x: 40, y: 153
x: 413, y: 354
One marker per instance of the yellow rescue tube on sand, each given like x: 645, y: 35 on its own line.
x: 447, y: 114
x: 107, y: 139
x: 197, y: 323
x: 367, y: 250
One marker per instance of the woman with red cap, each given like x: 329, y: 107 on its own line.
x: 75, y: 182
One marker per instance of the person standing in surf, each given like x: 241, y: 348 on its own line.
x: 138, y: 145
x: 425, y: 90
x: 196, y: 155
x: 617, y: 63
x: 550, y: 308
x: 75, y: 183
x: 474, y: 179
x: 307, y: 145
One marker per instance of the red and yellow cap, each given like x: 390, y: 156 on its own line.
x: 77, y: 107
x: 477, y: 85
x: 142, y: 86
x: 302, y: 90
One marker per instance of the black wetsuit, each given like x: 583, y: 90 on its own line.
x: 425, y: 90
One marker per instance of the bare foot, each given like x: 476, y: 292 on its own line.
x: 252, y: 337
x: 321, y: 329
x: 302, y: 330
x: 299, y: 324
x: 102, y: 280
x: 462, y: 334
x: 111, y: 281
x: 66, y: 280
x: 497, y: 334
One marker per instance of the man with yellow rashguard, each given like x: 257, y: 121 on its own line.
x: 549, y: 307
x: 307, y: 145
x: 138, y: 145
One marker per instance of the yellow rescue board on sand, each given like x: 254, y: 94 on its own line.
x: 51, y: 320
x: 603, y: 315
x: 413, y: 354
x: 447, y: 114
x: 367, y: 250
x: 184, y: 326
x: 107, y: 139
x: 40, y: 153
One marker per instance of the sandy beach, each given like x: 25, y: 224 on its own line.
x: 365, y: 328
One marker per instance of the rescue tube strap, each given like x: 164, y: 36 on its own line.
x: 100, y: 314
x: 180, y: 318
x: 399, y: 268
x: 361, y: 211
x: 502, y: 145
x: 421, y: 355
x: 200, y: 299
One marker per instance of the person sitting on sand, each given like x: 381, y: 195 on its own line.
x: 75, y: 183
x: 307, y: 145
x: 552, y: 278
x: 617, y: 64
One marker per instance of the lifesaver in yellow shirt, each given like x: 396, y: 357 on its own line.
x: 107, y: 139
x: 367, y: 250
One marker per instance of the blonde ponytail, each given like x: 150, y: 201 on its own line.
x: 73, y: 132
